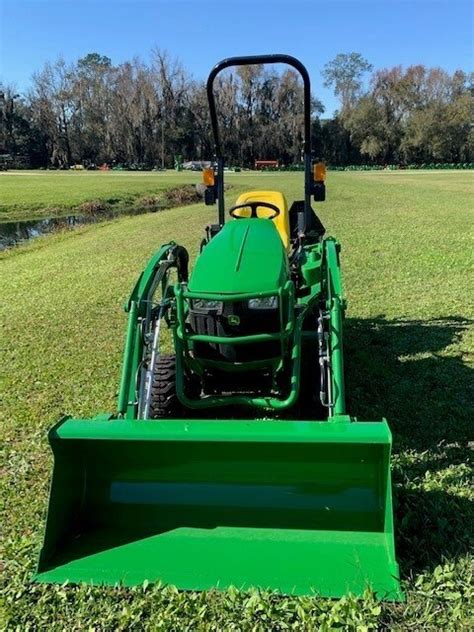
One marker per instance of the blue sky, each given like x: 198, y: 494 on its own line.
x: 200, y: 32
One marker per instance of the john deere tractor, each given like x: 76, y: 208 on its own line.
x: 232, y: 460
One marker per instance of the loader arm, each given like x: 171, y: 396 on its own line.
x: 335, y: 304
x: 168, y: 256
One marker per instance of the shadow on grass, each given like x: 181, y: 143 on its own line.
x: 431, y: 527
x: 414, y: 374
x: 407, y: 372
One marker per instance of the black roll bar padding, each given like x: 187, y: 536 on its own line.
x: 248, y: 60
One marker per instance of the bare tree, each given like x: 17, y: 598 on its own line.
x: 345, y: 74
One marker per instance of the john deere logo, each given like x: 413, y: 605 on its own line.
x: 233, y: 320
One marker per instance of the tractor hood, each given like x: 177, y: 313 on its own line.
x: 247, y: 255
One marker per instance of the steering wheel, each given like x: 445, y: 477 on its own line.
x: 253, y: 206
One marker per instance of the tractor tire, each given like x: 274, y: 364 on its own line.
x: 164, y: 401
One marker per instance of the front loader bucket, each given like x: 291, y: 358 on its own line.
x: 296, y: 507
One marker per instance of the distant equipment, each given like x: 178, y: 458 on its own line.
x: 262, y: 164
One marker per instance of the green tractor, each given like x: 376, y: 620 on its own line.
x: 233, y: 460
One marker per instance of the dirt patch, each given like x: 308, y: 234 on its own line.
x: 93, y: 207
x: 171, y: 198
x: 180, y: 196
x: 149, y: 203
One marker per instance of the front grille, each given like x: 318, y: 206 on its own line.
x: 251, y: 322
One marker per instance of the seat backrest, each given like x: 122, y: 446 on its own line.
x: 276, y: 198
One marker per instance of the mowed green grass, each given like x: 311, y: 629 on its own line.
x: 36, y: 194
x: 407, y: 263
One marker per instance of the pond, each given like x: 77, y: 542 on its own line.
x: 15, y: 233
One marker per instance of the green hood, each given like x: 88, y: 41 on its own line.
x: 247, y: 255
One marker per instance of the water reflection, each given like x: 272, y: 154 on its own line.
x: 14, y: 233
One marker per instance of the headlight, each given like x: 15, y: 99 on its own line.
x: 267, y: 302
x: 203, y: 305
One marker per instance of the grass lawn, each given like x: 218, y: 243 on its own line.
x: 36, y: 194
x: 407, y: 263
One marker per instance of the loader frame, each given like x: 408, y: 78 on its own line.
x: 290, y: 336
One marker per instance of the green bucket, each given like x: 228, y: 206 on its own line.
x: 297, y: 507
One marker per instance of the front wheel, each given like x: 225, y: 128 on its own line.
x: 164, y: 400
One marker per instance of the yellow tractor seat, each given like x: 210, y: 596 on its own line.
x: 276, y: 198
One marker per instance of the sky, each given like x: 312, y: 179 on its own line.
x: 201, y: 32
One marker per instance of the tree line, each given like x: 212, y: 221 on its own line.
x: 136, y: 113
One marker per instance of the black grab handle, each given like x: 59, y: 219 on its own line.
x: 249, y: 60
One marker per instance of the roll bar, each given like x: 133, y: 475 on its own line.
x: 249, y: 60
